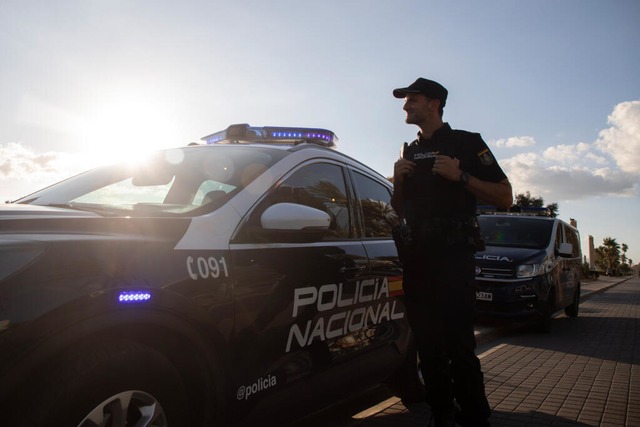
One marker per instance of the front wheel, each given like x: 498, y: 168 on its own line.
x: 130, y: 407
x: 117, y: 384
x: 546, y: 314
x: 572, y: 309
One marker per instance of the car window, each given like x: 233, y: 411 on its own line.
x: 318, y: 185
x: 125, y: 192
x: 375, y: 203
x: 211, y: 191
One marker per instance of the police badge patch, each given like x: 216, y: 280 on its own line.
x: 485, y: 157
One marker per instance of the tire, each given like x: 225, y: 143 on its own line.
x: 407, y: 383
x: 546, y: 314
x: 572, y: 309
x: 118, y: 384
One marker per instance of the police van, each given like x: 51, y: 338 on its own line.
x: 530, y: 267
x: 250, y: 277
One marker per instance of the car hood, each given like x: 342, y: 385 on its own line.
x: 22, y: 211
x: 20, y: 222
x: 506, y: 255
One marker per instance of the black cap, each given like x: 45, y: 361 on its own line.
x: 426, y: 87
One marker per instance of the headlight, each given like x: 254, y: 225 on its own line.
x: 528, y: 270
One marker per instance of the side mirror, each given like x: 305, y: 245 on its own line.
x: 291, y: 222
x: 565, y: 250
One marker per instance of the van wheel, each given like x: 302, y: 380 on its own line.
x: 117, y: 384
x: 407, y: 383
x: 546, y: 314
x: 572, y: 310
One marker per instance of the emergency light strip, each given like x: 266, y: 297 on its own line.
x: 299, y: 135
x: 267, y: 134
x: 127, y: 297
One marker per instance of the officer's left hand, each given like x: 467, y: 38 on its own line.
x: 447, y: 167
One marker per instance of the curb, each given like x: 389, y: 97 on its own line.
x: 588, y: 295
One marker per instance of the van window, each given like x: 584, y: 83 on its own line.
x: 572, y: 237
x: 559, y: 239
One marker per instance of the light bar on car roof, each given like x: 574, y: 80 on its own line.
x: 535, y: 211
x: 272, y: 135
x: 525, y: 211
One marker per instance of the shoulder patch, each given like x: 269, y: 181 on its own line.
x: 486, y: 158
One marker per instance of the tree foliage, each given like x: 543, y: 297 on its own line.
x: 525, y: 200
x: 611, y: 256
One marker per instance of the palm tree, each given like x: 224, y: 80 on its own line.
x: 625, y: 248
x: 609, y: 254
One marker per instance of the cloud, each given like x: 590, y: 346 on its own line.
x: 21, y: 162
x: 513, y: 142
x: 531, y: 172
x: 566, y: 154
x: 622, y: 140
x: 609, y: 166
x: 596, y: 159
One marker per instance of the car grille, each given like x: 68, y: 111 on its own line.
x: 496, y: 273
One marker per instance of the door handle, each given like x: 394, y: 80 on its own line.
x: 351, y: 270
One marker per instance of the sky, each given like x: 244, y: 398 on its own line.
x: 552, y: 86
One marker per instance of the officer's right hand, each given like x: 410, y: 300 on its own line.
x: 401, y: 169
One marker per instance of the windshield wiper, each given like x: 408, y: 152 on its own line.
x: 84, y: 208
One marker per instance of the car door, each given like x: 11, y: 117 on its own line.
x: 298, y: 316
x: 390, y: 332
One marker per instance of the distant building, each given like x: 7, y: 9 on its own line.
x: 592, y: 254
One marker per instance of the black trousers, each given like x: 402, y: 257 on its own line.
x: 439, y: 285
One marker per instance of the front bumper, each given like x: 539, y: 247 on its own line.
x: 510, y: 298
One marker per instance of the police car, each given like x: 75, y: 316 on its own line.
x: 250, y: 276
x: 530, y: 268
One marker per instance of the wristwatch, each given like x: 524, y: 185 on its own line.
x: 464, y: 178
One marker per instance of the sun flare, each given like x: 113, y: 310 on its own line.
x: 127, y: 126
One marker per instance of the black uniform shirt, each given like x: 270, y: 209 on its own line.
x: 428, y: 195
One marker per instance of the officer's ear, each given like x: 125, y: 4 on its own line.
x: 435, y: 104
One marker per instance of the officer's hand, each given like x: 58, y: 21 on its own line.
x: 401, y: 169
x: 447, y: 167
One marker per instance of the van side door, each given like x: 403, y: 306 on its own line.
x: 572, y: 264
x: 559, y: 272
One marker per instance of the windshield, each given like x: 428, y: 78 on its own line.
x: 515, y: 231
x: 170, y: 182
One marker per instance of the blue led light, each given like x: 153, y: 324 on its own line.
x: 271, y: 134
x: 132, y: 297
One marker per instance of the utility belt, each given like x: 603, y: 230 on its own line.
x: 447, y: 230
x: 436, y: 232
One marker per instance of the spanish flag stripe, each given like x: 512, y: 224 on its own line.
x: 395, y: 286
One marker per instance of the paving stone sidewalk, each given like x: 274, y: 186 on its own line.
x: 586, y: 372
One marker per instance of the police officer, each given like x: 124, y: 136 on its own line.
x: 437, y: 182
